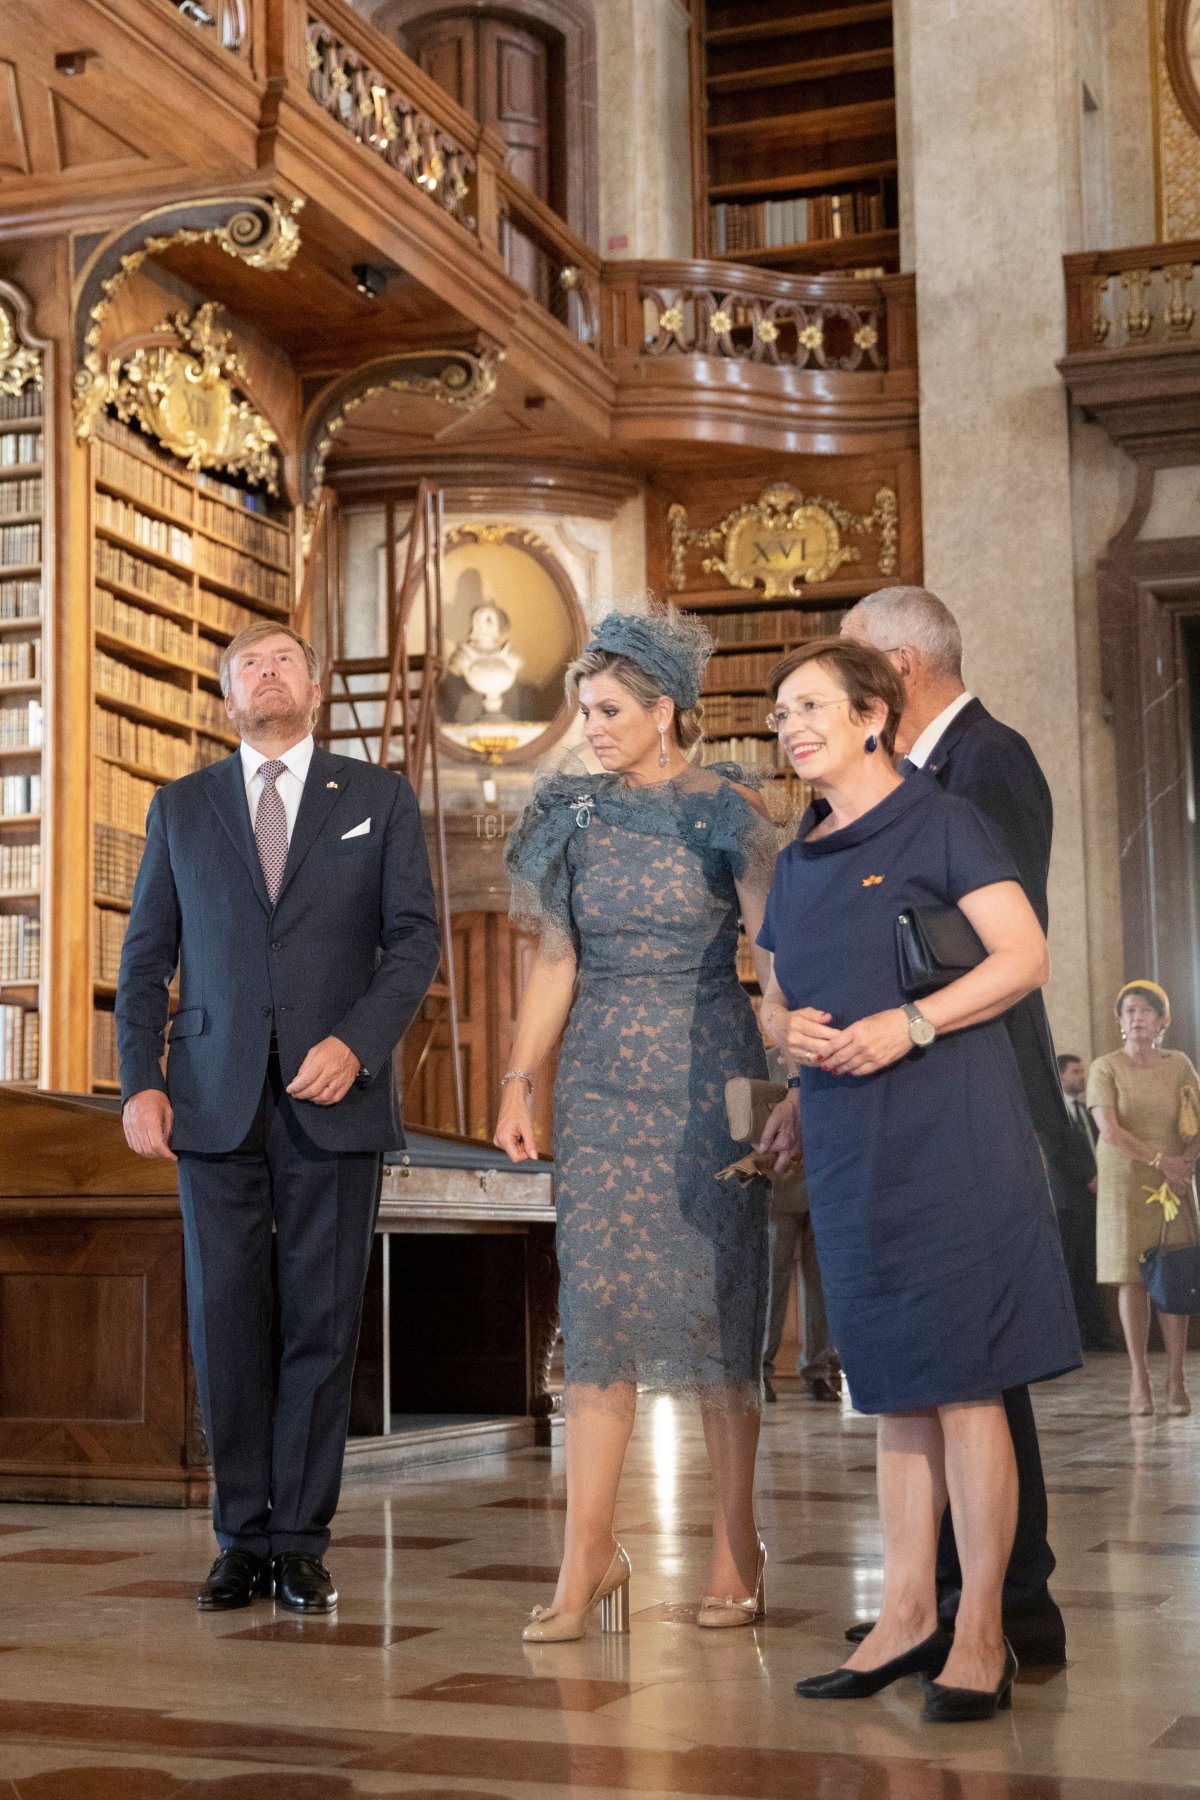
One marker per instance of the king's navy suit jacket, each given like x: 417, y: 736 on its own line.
x: 348, y: 951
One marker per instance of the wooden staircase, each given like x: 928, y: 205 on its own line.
x: 384, y: 708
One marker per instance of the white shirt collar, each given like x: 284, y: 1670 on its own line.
x: 296, y: 760
x: 920, y: 753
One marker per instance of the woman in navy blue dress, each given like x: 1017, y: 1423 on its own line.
x: 940, y: 1260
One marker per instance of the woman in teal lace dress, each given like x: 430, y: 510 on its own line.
x: 635, y: 879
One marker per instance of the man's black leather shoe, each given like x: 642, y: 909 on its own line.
x: 769, y: 1393
x: 303, y: 1583
x: 235, y: 1579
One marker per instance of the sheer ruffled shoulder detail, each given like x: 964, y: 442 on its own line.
x: 536, y: 855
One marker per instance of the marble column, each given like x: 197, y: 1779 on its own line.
x: 991, y: 162
x: 645, y: 140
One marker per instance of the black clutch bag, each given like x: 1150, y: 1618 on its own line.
x: 934, y: 946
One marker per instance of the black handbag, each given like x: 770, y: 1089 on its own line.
x: 934, y: 946
x: 1172, y: 1277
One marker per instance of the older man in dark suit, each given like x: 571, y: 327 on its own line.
x: 947, y: 731
x: 291, y: 888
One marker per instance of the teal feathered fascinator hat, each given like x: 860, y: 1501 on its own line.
x: 671, y: 646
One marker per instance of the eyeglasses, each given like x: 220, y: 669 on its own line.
x: 807, y: 709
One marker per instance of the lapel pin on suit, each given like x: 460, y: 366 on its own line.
x: 331, y: 784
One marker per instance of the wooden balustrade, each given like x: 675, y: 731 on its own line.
x: 1140, y: 298
x: 717, y: 309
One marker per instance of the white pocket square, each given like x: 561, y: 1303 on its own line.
x: 358, y: 831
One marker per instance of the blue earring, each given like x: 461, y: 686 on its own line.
x: 871, y: 745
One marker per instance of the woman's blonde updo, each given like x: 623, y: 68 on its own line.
x: 686, y: 725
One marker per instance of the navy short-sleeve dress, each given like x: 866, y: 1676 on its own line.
x: 940, y: 1257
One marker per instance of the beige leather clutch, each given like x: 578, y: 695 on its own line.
x: 748, y: 1104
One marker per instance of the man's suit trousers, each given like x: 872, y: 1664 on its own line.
x: 277, y: 1238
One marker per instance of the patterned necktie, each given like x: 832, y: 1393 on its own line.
x: 270, y: 828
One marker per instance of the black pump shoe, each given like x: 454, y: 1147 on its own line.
x: 926, y: 1658
x: 960, y: 1706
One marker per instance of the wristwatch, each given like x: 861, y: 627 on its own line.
x: 921, y: 1030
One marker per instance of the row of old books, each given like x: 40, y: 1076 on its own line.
x: 755, y: 752
x: 734, y: 712
x: 787, y: 626
x: 245, y: 529
x: 128, y: 521
x: 208, y: 655
x: 21, y: 496
x: 116, y: 564
x: 244, y: 573
x: 132, y: 742
x: 18, y: 448
x: 105, y: 1065
x: 122, y: 799
x: 20, y: 544
x: 20, y: 868
x: 210, y: 712
x: 802, y: 219
x: 150, y: 631
x: 21, y: 659
x: 20, y: 597
x: 221, y: 614
x: 20, y: 1039
x: 20, y: 724
x: 144, y: 480
x: 108, y: 938
x: 116, y: 859
x: 20, y: 947
x: 27, y: 404
x: 19, y: 795
x: 738, y: 670
x: 117, y: 679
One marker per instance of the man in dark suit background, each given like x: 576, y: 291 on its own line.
x: 1073, y: 1185
x: 291, y: 888
x: 946, y: 730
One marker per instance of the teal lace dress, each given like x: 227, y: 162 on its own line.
x: 663, y: 1267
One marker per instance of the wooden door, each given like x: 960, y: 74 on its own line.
x: 492, y: 960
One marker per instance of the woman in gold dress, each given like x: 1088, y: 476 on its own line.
x: 1146, y: 1104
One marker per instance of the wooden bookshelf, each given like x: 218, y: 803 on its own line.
x: 795, y: 134
x: 23, y: 536
x: 753, y: 634
x: 180, y: 563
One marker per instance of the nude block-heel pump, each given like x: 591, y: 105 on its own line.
x: 611, y: 1597
x: 717, y: 1614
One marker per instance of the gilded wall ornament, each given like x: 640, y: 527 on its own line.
x: 19, y: 366
x: 784, y: 540
x: 261, y: 233
x: 183, y: 395
x: 459, y: 378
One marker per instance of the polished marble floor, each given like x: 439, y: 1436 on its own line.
x: 112, y: 1687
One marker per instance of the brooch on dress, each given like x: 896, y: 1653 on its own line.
x: 583, y: 804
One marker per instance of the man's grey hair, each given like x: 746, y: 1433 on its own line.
x: 912, y: 616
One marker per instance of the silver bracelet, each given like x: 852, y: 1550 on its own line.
x: 517, y: 1075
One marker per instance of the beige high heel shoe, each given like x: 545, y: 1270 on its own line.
x: 612, y: 1597
x: 718, y: 1614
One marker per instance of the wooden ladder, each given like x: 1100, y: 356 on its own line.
x: 404, y: 684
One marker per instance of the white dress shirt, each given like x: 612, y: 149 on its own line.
x: 920, y: 753
x: 289, y: 786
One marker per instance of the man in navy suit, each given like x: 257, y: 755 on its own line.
x: 946, y: 730
x: 291, y: 889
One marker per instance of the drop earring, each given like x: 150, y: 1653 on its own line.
x: 871, y: 745
x: 663, y: 757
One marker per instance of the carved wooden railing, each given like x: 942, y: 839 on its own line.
x: 1141, y: 298
x: 540, y: 251
x: 722, y: 310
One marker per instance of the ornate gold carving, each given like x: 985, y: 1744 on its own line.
x: 19, y: 366
x: 1178, y: 315
x: 1100, y: 319
x: 185, y: 398
x: 671, y: 319
x: 784, y: 540
x: 721, y: 322
x: 262, y: 233
x: 1136, y: 319
x: 1176, y: 147
x: 496, y: 534
x: 465, y: 380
